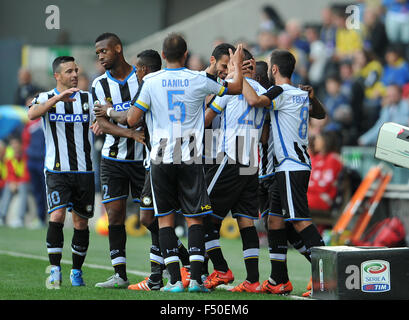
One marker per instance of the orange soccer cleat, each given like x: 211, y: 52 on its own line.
x: 282, y: 288
x: 146, y: 285
x: 185, y: 273
x: 217, y: 278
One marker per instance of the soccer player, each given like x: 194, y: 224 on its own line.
x: 173, y: 99
x: 230, y: 188
x: 218, y: 67
x: 122, y: 158
x: 147, y: 61
x: 67, y: 114
x: 290, y: 113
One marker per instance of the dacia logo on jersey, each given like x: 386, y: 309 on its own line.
x: 58, y: 117
x: 122, y: 106
x: 206, y: 207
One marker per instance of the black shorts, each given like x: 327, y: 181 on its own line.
x: 179, y: 186
x: 146, y: 195
x: 292, y: 187
x: 74, y: 191
x: 118, y: 177
x: 232, y: 192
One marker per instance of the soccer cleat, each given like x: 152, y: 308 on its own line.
x: 195, y: 286
x: 185, y: 273
x: 176, y: 288
x: 282, y: 288
x: 309, y: 286
x: 246, y: 286
x: 76, y: 278
x: 146, y: 285
x: 115, y: 282
x: 307, y: 294
x: 55, y: 278
x: 217, y: 278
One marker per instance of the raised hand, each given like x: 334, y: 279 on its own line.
x: 66, y: 94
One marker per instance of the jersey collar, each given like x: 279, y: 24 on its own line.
x: 57, y: 92
x: 118, y: 81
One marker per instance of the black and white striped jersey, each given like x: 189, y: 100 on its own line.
x: 68, y: 137
x: 120, y: 94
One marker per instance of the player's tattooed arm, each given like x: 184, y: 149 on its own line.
x: 107, y: 126
x: 36, y: 111
x: 134, y: 116
x: 317, y: 110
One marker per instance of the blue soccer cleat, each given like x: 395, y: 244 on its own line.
x: 76, y: 278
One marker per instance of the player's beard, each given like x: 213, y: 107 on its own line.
x: 271, y: 78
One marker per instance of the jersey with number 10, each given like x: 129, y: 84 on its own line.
x: 289, y: 126
x: 174, y: 102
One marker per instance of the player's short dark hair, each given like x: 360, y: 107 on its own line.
x: 284, y: 60
x: 174, y: 47
x: 222, y: 49
x: 59, y: 60
x: 109, y: 35
x: 151, y: 59
x: 247, y: 55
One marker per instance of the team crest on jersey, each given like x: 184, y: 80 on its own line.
x: 89, y: 208
x: 147, y: 201
x: 85, y: 106
x: 113, y: 154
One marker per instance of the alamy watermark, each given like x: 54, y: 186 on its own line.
x: 52, y: 21
x: 353, y: 20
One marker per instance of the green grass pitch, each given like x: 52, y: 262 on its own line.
x: 23, y: 263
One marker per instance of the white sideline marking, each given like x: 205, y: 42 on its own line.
x: 89, y: 265
x: 97, y: 266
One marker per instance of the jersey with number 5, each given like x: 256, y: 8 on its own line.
x: 174, y: 103
x: 289, y: 126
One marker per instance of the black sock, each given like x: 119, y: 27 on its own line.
x: 117, y: 244
x: 212, y: 245
x: 155, y: 256
x: 79, y: 247
x: 296, y: 241
x: 183, y: 254
x: 55, y: 242
x: 169, y: 247
x: 196, y: 251
x: 251, y: 245
x: 277, y: 242
x: 311, y: 238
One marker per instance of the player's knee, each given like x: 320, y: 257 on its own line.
x: 147, y: 219
x: 275, y: 223
x: 244, y: 222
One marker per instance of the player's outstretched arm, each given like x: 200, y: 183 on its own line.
x: 107, y: 126
x: 134, y: 116
x: 253, y: 98
x: 317, y: 109
x: 210, y: 114
x: 38, y: 110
